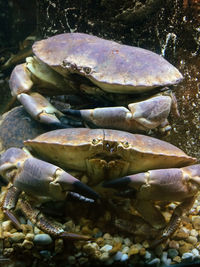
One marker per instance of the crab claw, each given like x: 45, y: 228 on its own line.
x: 68, y: 182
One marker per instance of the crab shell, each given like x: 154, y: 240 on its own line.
x: 113, y: 67
x: 106, y: 154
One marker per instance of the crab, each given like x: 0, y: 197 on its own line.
x: 154, y: 169
x: 124, y: 80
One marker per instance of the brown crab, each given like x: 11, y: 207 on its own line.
x: 105, y: 71
x: 154, y: 169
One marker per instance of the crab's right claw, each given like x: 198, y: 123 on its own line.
x: 140, y: 116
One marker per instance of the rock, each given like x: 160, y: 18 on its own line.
x: 116, y: 247
x: 106, y: 248
x: 177, y: 259
x: 196, y: 222
x: 71, y: 259
x: 92, y: 249
x: 117, y: 256
x: 187, y: 256
x: 42, y: 239
x: 181, y: 233
x: 195, y: 252
x: 125, y: 250
x: 172, y: 253
x: 185, y: 247
x: 124, y: 257
x: 154, y: 262
x: 16, y: 237
x: 29, y: 237
x: 192, y: 239
x: 104, y: 256
x: 147, y: 255
x: 7, y: 226
x: 194, y: 232
x: 27, y: 244
x: 173, y: 244
x: 127, y: 242
x: 134, y: 249
x: 46, y: 254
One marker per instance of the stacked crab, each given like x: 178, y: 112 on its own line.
x: 130, y: 85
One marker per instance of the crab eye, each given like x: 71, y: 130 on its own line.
x: 87, y: 70
x: 126, y: 144
x: 66, y: 64
x: 94, y: 141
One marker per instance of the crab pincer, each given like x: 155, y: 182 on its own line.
x: 173, y: 184
x: 37, y: 178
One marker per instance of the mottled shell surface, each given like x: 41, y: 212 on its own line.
x: 72, y: 148
x: 111, y: 66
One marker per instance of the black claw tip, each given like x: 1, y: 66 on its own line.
x: 85, y: 190
x: 117, y: 183
x: 72, y: 112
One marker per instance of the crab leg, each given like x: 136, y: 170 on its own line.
x: 47, y: 225
x: 9, y: 204
x: 174, y: 184
x: 21, y: 84
x: 143, y: 115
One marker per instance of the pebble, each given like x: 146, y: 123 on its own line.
x: 16, y: 237
x: 195, y: 252
x: 173, y: 244
x: 116, y: 247
x: 27, y: 244
x: 147, y: 255
x: 164, y: 258
x: 104, y: 256
x: 177, y: 259
x: 42, y: 239
x: 106, y: 248
x: 29, y: 237
x: 192, y: 239
x: 187, y: 256
x: 7, y: 226
x: 92, y: 249
x: 196, y: 222
x: 194, y: 232
x: 45, y: 253
x: 134, y: 249
x: 172, y: 253
x: 71, y: 260
x: 181, y: 233
x: 127, y: 242
x: 125, y: 250
x: 117, y: 256
x: 155, y: 262
x: 185, y: 247
x: 124, y: 257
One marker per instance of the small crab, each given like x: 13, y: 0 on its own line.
x: 154, y: 169
x: 103, y: 70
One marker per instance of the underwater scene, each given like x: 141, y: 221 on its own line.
x: 99, y: 133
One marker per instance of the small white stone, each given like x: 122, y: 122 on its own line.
x: 125, y: 250
x: 195, y: 252
x: 106, y: 248
x: 104, y: 256
x: 147, y: 255
x: 127, y: 242
x: 117, y: 256
x: 154, y: 262
x: 194, y: 232
x: 124, y: 257
x: 187, y: 256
